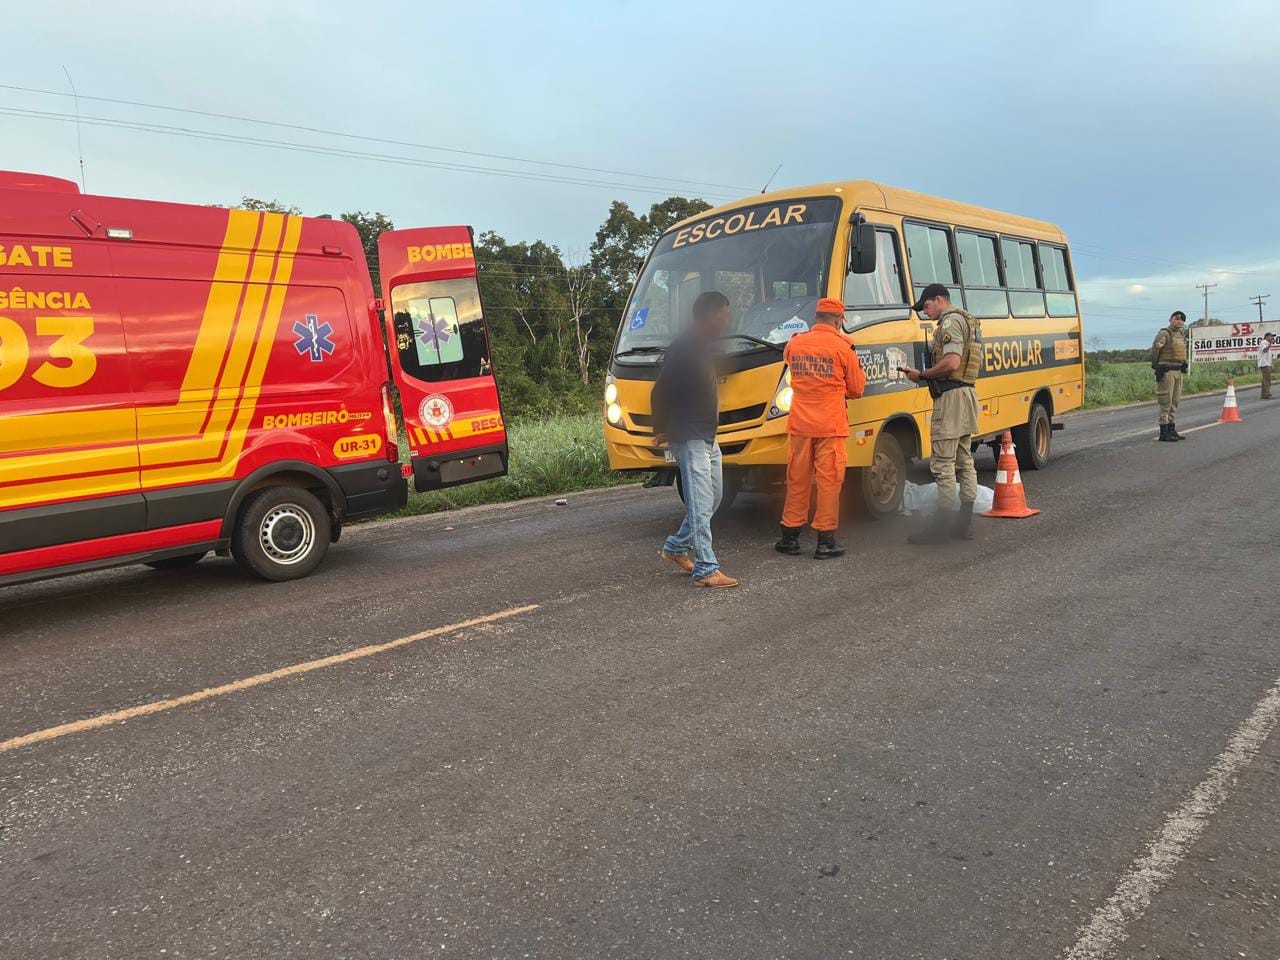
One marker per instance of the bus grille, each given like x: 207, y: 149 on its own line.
x: 727, y: 417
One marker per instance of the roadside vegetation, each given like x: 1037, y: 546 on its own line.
x: 1115, y: 384
x: 551, y: 455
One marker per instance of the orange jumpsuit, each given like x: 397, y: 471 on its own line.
x: 825, y: 372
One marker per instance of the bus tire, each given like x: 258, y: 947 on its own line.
x: 732, y: 486
x: 1034, y: 439
x: 282, y: 533
x: 176, y: 563
x: 884, y: 481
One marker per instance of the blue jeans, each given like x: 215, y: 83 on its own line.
x: 703, y: 483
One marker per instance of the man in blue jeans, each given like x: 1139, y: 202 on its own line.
x: 685, y: 413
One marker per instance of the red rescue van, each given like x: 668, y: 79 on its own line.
x: 178, y: 379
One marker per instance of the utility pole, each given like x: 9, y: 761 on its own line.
x: 1206, y: 287
x: 1258, y: 300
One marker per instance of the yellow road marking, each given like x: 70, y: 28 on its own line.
x: 159, y: 706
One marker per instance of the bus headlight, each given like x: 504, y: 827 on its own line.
x: 610, y: 392
x: 782, y: 397
x: 614, y: 413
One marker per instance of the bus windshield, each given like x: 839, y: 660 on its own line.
x: 770, y: 260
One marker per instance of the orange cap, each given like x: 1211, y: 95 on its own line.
x: 829, y: 305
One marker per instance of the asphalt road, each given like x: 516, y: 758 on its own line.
x: 815, y: 765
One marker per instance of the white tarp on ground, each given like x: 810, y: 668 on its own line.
x: 923, y: 498
x: 1229, y: 341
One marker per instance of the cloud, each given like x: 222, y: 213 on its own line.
x: 1126, y: 310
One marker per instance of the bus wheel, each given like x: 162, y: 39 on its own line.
x: 176, y: 563
x: 732, y: 487
x: 1034, y: 439
x: 884, y: 480
x: 282, y: 533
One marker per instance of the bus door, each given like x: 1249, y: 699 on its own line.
x: 440, y: 356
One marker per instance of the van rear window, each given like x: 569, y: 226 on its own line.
x: 440, y: 330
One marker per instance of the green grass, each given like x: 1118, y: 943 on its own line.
x: 551, y: 456
x: 1114, y: 384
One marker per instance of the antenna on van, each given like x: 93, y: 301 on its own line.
x: 771, y: 176
x: 79, y: 143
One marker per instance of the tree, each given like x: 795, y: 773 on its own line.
x: 268, y: 206
x: 370, y: 226
x: 625, y: 238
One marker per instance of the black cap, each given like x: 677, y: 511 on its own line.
x: 931, y: 291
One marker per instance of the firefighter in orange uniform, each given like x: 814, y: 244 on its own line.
x: 825, y: 372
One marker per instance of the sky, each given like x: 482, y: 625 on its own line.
x: 1150, y: 132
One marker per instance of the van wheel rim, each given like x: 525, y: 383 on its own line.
x: 287, y: 534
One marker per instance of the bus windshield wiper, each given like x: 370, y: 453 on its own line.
x: 639, y: 350
x: 756, y: 340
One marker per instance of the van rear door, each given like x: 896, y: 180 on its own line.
x: 440, y: 356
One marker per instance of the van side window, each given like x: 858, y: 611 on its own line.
x: 1025, y: 296
x: 440, y: 330
x: 1057, y: 281
x: 930, y: 258
x: 881, y: 295
x: 979, y: 266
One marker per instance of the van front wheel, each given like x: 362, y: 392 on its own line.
x: 282, y: 534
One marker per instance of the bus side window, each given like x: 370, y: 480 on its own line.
x: 1057, y: 281
x: 931, y: 259
x: 983, y: 289
x: 1026, y: 299
x: 880, y: 295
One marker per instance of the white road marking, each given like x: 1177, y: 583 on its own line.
x: 1182, y: 828
x: 293, y: 670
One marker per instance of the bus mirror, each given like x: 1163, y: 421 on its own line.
x: 862, y: 248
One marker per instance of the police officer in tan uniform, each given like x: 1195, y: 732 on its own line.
x: 956, y: 358
x: 1169, y: 360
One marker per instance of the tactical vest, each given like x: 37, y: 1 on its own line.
x: 971, y: 353
x: 1174, y: 348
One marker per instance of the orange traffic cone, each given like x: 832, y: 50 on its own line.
x: 1230, y: 411
x: 1010, y: 501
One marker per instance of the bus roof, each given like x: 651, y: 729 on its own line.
x: 879, y: 196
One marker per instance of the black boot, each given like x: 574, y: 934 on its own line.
x: 827, y: 546
x: 938, y: 530
x: 789, y: 542
x: 962, y: 525
x: 1173, y: 432
x: 1164, y: 433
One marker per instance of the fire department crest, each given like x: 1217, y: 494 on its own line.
x: 436, y: 411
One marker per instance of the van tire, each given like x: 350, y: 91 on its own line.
x: 282, y: 533
x: 1033, y: 439
x: 176, y: 563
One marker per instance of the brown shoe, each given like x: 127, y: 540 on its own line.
x: 717, y: 579
x: 684, y: 563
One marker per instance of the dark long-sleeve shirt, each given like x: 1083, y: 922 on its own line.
x: 684, y: 401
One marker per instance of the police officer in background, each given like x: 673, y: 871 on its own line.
x: 1169, y: 355
x: 956, y: 356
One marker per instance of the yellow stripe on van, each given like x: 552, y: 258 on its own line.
x: 279, y: 271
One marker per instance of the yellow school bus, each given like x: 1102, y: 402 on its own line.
x: 875, y: 247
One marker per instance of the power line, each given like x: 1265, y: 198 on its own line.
x: 146, y: 127
x: 1093, y: 252
x: 371, y: 139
